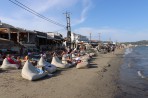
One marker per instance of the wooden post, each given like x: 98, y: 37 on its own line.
x: 9, y: 34
x: 28, y: 37
x: 18, y: 36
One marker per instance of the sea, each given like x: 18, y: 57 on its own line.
x: 134, y: 73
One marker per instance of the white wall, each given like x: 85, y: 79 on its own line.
x: 78, y: 38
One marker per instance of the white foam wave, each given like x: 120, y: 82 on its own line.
x: 140, y: 74
x: 128, y: 50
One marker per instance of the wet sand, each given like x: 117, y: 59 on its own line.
x: 99, y: 81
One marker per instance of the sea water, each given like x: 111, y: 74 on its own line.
x: 134, y: 73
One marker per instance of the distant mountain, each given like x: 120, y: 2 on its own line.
x: 142, y: 42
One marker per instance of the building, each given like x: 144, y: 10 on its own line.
x: 54, y: 40
x: 79, y: 38
x: 30, y: 39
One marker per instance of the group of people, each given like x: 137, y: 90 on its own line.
x: 67, y: 53
x: 72, y: 56
x: 13, y: 60
x: 106, y: 48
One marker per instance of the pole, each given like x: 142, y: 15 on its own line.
x: 18, y: 37
x: 9, y: 34
x: 28, y: 37
x: 90, y: 39
x: 68, y: 27
x: 99, y: 37
x: 1, y: 23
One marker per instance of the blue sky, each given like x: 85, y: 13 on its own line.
x: 118, y: 20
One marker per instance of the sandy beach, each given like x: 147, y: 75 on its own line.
x: 99, y: 81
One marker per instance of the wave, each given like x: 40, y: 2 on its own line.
x: 140, y: 74
x: 128, y: 51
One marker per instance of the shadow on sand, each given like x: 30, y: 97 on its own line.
x: 93, y: 65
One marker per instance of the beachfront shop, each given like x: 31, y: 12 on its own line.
x: 30, y: 39
x: 54, y: 40
x: 41, y: 40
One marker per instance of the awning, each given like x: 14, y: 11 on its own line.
x: 41, y: 36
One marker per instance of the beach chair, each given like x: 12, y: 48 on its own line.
x: 85, y: 57
x: 30, y: 72
x: 48, y: 67
x: 73, y: 56
x: 82, y: 65
x: 64, y: 61
x: 7, y: 65
x: 92, y: 54
x: 58, y: 63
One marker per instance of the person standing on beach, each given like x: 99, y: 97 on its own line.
x: 113, y: 48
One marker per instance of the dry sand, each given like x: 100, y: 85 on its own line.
x: 99, y: 81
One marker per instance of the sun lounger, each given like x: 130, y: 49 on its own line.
x: 7, y: 65
x: 58, y: 63
x: 92, y: 54
x: 64, y: 61
x: 48, y: 67
x: 82, y: 65
x: 31, y: 73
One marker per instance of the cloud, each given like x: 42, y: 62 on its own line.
x: 50, y: 5
x: 44, y: 5
x: 28, y: 21
x: 35, y: 24
x: 53, y: 6
x: 87, y: 4
x: 31, y: 22
x: 114, y: 34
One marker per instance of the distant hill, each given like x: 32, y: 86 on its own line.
x: 142, y: 42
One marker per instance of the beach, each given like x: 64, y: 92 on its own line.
x: 98, y: 81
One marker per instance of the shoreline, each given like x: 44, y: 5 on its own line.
x: 105, y: 82
x: 99, y: 81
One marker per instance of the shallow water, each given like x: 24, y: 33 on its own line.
x: 134, y: 73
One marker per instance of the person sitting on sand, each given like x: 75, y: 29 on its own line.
x: 26, y: 58
x: 12, y: 60
x: 9, y: 58
x: 19, y: 61
x: 67, y: 56
x: 78, y: 59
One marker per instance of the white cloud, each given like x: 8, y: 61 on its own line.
x: 106, y: 32
x: 87, y: 4
x: 112, y: 33
x: 64, y: 4
x: 35, y: 24
x: 44, y: 5
x: 23, y: 19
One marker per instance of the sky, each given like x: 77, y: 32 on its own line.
x: 115, y: 20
